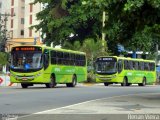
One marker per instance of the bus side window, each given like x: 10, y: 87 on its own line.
x: 83, y: 60
x: 136, y: 65
x: 141, y: 65
x: 152, y: 66
x: 125, y: 65
x: 130, y: 64
x: 72, y: 59
x: 146, y: 66
x: 60, y: 58
x: 77, y: 60
x: 120, y: 66
x: 53, y: 57
x: 46, y: 58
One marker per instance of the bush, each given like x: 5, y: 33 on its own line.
x: 91, y: 77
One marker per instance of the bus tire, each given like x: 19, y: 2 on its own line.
x: 52, y: 82
x: 74, y: 82
x: 129, y: 84
x: 106, y: 84
x: 24, y: 85
x: 125, y: 82
x: 143, y: 82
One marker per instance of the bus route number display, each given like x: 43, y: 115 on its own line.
x: 26, y: 48
x: 106, y: 59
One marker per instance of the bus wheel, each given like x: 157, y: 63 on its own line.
x: 52, y: 82
x: 125, y: 83
x: 74, y: 82
x: 129, y: 84
x: 106, y: 84
x: 24, y: 85
x: 143, y: 82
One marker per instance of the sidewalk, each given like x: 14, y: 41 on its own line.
x: 129, y: 104
x: 129, y: 107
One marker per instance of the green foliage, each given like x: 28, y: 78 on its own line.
x: 132, y: 23
x: 93, y: 48
x: 60, y: 18
x: 3, y: 58
x: 75, y: 46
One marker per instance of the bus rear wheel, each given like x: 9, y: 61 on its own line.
x: 74, y: 82
x: 106, y: 84
x: 143, y: 82
x: 125, y: 82
x: 24, y: 85
x: 52, y: 82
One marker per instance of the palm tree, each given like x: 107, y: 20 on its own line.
x: 93, y: 49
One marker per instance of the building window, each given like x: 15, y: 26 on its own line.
x: 30, y: 19
x: 11, y: 23
x: 12, y: 12
x: 22, y: 8
x: 31, y: 7
x: 22, y: 32
x: 30, y: 32
x: 0, y: 5
x: 11, y: 34
x: 22, y: 20
x: 12, y: 2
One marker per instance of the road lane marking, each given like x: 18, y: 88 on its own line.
x: 46, y: 111
x: 51, y: 110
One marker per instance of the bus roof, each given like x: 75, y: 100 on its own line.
x: 50, y: 48
x: 128, y: 58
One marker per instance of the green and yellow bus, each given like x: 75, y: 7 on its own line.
x: 45, y: 65
x: 126, y: 71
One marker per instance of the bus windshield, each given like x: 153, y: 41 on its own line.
x: 26, y: 60
x: 106, y: 67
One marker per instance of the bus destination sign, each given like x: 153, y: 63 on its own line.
x: 25, y: 48
x: 106, y: 59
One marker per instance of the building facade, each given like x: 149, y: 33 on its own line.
x: 21, y: 16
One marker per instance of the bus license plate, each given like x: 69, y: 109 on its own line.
x: 24, y: 78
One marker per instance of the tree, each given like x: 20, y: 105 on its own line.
x: 93, y: 49
x: 3, y: 58
x: 75, y: 46
x: 66, y: 17
x: 135, y: 24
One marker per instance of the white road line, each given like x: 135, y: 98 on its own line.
x: 44, y: 112
x: 47, y: 111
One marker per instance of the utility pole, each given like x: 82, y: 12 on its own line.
x: 103, y: 34
x: 3, y: 30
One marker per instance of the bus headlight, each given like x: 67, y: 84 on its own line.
x: 114, y: 76
x: 38, y: 74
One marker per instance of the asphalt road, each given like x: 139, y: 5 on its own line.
x: 15, y: 100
